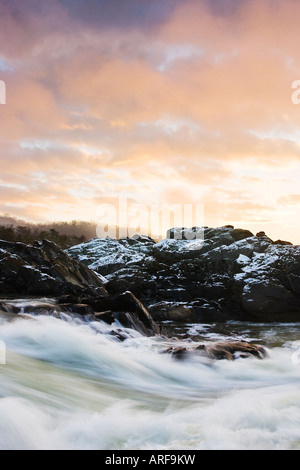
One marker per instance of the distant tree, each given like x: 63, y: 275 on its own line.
x: 64, y: 234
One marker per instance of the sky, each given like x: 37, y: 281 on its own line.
x: 161, y: 102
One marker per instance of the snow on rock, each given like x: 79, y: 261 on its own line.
x: 105, y: 255
x: 229, y: 273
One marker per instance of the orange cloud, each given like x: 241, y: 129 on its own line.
x: 196, y: 106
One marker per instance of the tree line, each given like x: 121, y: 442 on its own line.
x: 64, y: 234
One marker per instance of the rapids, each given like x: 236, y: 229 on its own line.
x: 69, y: 384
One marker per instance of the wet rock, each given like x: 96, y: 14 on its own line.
x: 129, y: 311
x: 77, y: 309
x: 178, y: 352
x: 43, y: 269
x: 126, y: 310
x: 36, y: 307
x: 222, y: 350
x: 235, y: 350
x: 107, y: 316
x: 173, y: 311
x: 119, y: 334
x: 8, y: 308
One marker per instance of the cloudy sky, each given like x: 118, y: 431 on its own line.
x: 164, y: 101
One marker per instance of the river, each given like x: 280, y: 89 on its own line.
x: 69, y: 384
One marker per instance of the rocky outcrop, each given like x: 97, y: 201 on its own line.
x: 221, y: 274
x: 223, y: 277
x: 44, y: 270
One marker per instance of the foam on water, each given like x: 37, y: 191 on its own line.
x: 71, y: 385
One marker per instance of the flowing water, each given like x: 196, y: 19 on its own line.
x: 69, y: 384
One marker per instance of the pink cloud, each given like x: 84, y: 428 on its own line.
x: 164, y: 112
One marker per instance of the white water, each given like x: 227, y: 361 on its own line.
x: 70, y: 385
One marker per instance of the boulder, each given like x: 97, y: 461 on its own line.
x: 240, y: 234
x: 230, y: 350
x: 173, y: 311
x: 44, y: 270
x: 128, y: 310
x: 282, y: 242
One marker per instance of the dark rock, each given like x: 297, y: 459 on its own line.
x: 43, y: 308
x: 43, y: 269
x: 240, y: 234
x: 107, y: 316
x: 142, y: 239
x: 235, y: 350
x: 129, y: 311
x: 223, y: 350
x: 78, y: 309
x: 210, y: 275
x: 178, y: 352
x: 184, y: 233
x: 172, y: 311
x: 282, y: 242
x: 8, y: 308
x: 119, y: 334
x: 229, y: 275
x: 132, y: 320
x: 212, y: 312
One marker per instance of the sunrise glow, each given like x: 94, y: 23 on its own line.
x: 167, y: 102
